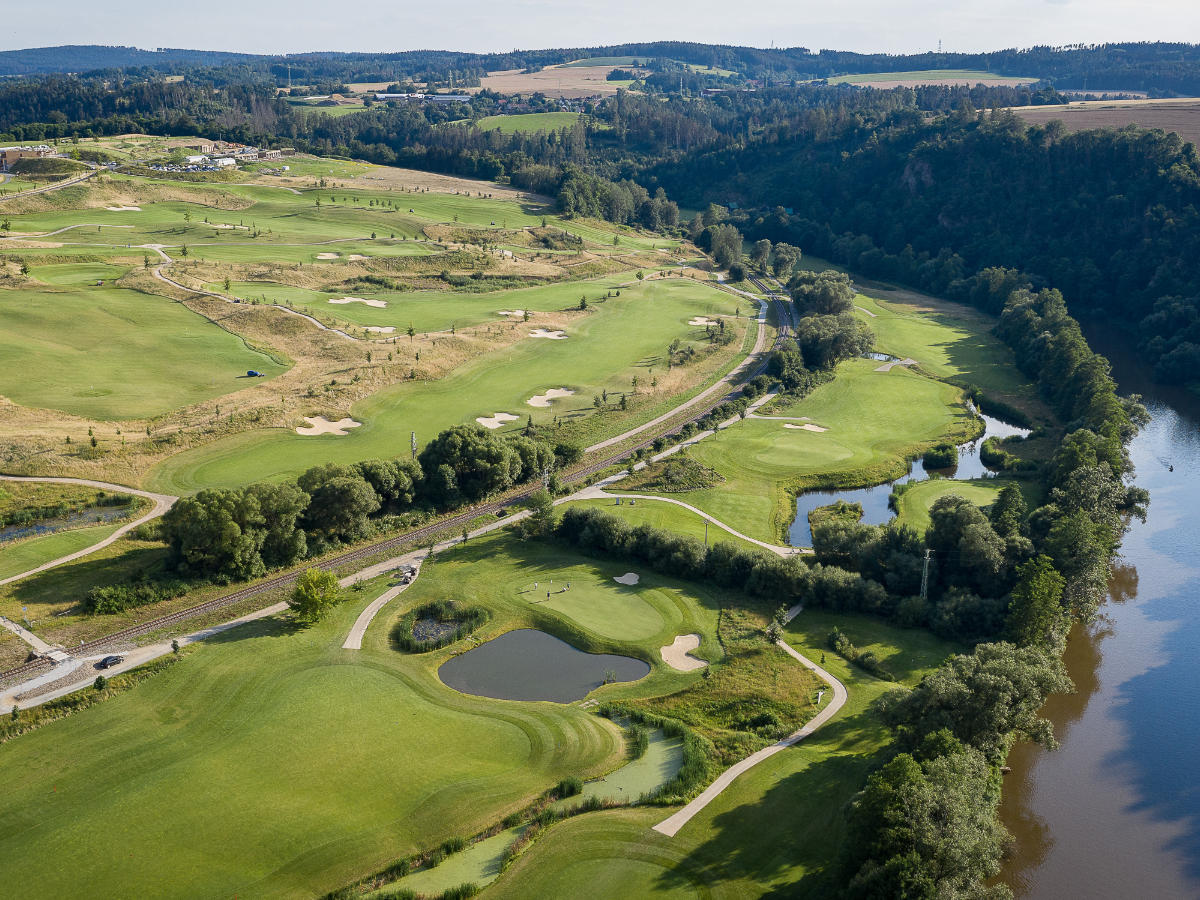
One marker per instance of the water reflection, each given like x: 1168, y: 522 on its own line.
x: 1115, y: 812
x: 874, y: 500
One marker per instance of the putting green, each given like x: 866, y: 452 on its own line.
x: 618, y: 339
x: 98, y: 352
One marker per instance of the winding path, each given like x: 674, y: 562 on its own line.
x: 670, y: 826
x: 162, y: 502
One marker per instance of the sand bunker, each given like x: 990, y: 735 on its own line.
x: 357, y: 257
x: 344, y: 300
x: 327, y: 256
x: 678, y: 656
x: 807, y: 426
x: 496, y: 420
x: 543, y: 400
x: 123, y: 208
x: 701, y: 320
x: 510, y: 312
x: 887, y: 366
x: 552, y: 335
x: 225, y: 226
x: 321, y: 425
x: 629, y: 578
x: 381, y: 329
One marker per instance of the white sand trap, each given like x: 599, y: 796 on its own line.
x: 327, y: 256
x: 123, y: 208
x: 701, y: 320
x: 867, y: 311
x: 321, y: 425
x: 543, y: 400
x: 888, y: 366
x: 357, y: 257
x: 807, y: 426
x: 678, y: 656
x: 552, y: 335
x: 496, y: 420
x: 342, y: 301
x: 629, y: 578
x: 510, y: 312
x: 223, y: 225
x: 381, y: 329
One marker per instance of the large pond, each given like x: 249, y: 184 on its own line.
x: 527, y: 664
x: 874, y: 500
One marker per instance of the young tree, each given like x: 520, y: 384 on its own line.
x: 761, y: 254
x: 315, y: 593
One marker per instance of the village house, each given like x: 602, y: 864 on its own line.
x: 10, y: 155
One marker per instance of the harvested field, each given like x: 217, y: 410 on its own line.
x: 952, y: 77
x: 1181, y: 116
x: 569, y: 82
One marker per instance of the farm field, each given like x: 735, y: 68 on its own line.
x: 244, y: 818
x: 601, y: 352
x: 1179, y: 115
x: 569, y: 81
x: 886, y: 80
x: 528, y: 122
x: 95, y: 350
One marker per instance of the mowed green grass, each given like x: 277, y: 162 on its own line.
x: 667, y: 516
x: 29, y: 553
x: 915, y: 501
x: 618, y: 339
x: 873, y: 419
x: 528, y: 122
x: 270, y: 762
x: 111, y: 353
x: 431, y: 310
x: 777, y: 828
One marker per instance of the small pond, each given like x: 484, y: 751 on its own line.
x: 527, y: 664
x: 874, y: 500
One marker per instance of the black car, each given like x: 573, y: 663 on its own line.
x: 109, y: 661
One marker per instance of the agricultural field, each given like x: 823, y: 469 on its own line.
x: 528, y: 122
x: 1179, y: 115
x: 571, y: 81
x: 970, y: 77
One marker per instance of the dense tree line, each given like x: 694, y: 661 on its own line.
x: 240, y: 533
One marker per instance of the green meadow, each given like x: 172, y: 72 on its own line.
x: 528, y: 122
x: 111, y: 353
x: 29, y: 553
x: 604, y: 350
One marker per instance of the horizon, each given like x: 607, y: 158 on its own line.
x: 276, y: 28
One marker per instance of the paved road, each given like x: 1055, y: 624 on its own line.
x: 162, y: 502
x: 671, y: 825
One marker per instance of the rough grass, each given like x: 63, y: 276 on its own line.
x: 528, y: 122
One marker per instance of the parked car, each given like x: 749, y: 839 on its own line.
x: 109, y: 661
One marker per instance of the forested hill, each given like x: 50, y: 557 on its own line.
x: 1162, y: 68
x: 1110, y: 218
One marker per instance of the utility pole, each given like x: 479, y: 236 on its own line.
x: 706, y: 533
x: 546, y: 478
x: 925, y: 575
x: 413, y: 442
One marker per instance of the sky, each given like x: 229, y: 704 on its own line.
x: 895, y: 26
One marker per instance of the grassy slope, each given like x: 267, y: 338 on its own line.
x: 219, y: 791
x: 21, y: 556
x: 95, y: 351
x: 602, y: 352
x: 529, y: 122
x: 776, y: 828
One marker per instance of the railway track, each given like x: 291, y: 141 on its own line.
x: 417, y: 537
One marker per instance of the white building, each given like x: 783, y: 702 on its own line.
x: 195, y: 160
x: 224, y: 162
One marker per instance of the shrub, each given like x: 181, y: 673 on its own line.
x: 941, y: 456
x: 455, y: 844
x: 463, y: 891
x: 115, y: 598
x: 639, y: 740
x: 569, y: 787
x: 453, y: 623
x: 868, y: 662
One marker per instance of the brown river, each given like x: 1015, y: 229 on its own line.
x: 1115, y: 811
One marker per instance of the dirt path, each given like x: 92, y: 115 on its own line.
x: 670, y: 826
x: 162, y: 502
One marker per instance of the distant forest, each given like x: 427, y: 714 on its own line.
x: 1160, y: 68
x: 926, y: 186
